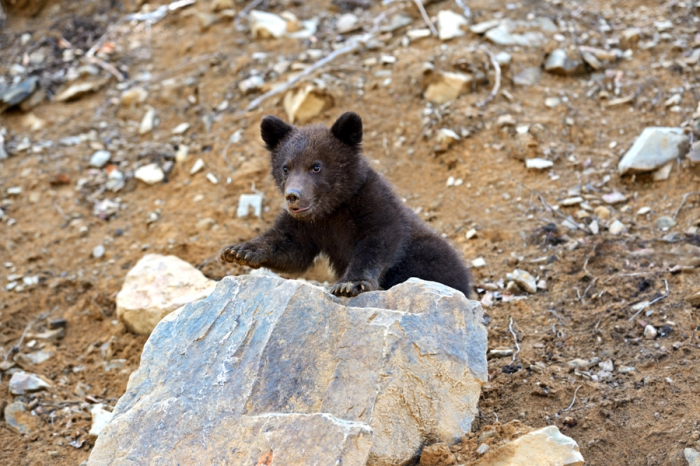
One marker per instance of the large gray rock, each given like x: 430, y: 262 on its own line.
x: 653, y: 149
x: 270, y: 368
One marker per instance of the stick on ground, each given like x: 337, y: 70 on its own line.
x: 515, y: 338
x: 685, y: 198
x: 425, y: 16
x: 572, y: 401
x: 497, y: 84
x: 551, y: 209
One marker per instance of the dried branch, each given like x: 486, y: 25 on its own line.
x: 515, y: 338
x: 685, y: 198
x: 574, y: 400
x: 111, y: 69
x: 551, y: 209
x: 425, y: 16
x: 497, y: 84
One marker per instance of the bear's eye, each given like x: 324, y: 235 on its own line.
x: 285, y: 169
x: 316, y: 168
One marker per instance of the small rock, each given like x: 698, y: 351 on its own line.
x: 37, y: 357
x: 504, y: 59
x: 625, y: 369
x: 182, y: 153
x: 246, y: 201
x: 602, y: 212
x: 98, y: 251
x: 212, y: 179
x: 579, y: 363
x: 77, y: 91
x: 614, y: 198
x: 547, y: 445
x: 32, y: 122
x: 485, y: 26
x: 559, y: 63
x: 306, y: 102
x: 483, y: 448
x: 526, y: 281
x: 449, y: 25
x: 347, y: 22
x: 148, y: 121
x: 694, y: 299
x: 485, y: 435
x: 135, y: 95
x: 115, y: 181
x: 156, y: 286
x: 630, y: 37
x: 445, y: 138
x: 221, y: 5
x: 591, y: 60
x: 25, y: 382
x: 673, y: 100
x: 16, y: 94
x: 692, y: 457
x: 206, y: 20
x: 501, y: 353
x: 443, y: 87
x: 149, y: 174
x: 265, y: 25
x: 479, y: 262
x: 471, y: 233
x: 538, y: 164
x: 100, y: 158
x: 650, y: 332
x: 607, y: 366
x: 654, y: 148
x: 505, y: 120
x: 552, y: 102
x: 19, y: 419
x: 665, y: 223
x: 198, y: 165
x: 181, y: 128
x: 100, y: 419
x: 415, y: 34
x: 663, y: 173
x: 252, y: 84
x: 617, y: 228
x: 528, y: 76
x: 55, y: 334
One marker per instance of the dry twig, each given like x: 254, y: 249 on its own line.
x: 111, y: 69
x: 497, y: 84
x: 572, y: 401
x: 515, y: 338
x: 426, y: 18
x: 551, y: 209
x: 685, y: 198
x: 653, y: 301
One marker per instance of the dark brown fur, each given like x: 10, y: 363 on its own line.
x: 339, y: 206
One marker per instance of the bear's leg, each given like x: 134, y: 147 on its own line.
x: 430, y: 258
x: 283, y: 248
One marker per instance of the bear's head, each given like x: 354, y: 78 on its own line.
x: 316, y: 168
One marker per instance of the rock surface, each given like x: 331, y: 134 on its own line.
x: 266, y: 366
x: 19, y: 419
x: 25, y: 382
x: 654, y: 148
x: 543, y: 447
x: 156, y: 286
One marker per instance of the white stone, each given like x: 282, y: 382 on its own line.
x: 156, y: 286
x: 653, y: 149
x: 252, y: 84
x: 543, y: 447
x: 198, y: 165
x: 650, y: 332
x: 617, y: 228
x: 22, y: 383
x: 479, y: 262
x: 306, y: 102
x: 481, y: 28
x: 692, y: 457
x: 100, y: 158
x: 181, y: 128
x: 538, y: 164
x: 346, y: 23
x: 449, y: 25
x: 265, y: 25
x: 182, y: 153
x: 246, y: 201
x: 443, y: 87
x: 445, y: 138
x: 98, y: 251
x: 415, y: 34
x: 149, y: 174
x: 100, y: 418
x: 148, y: 122
x: 526, y: 281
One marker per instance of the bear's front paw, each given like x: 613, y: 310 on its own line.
x: 352, y: 288
x: 243, y: 254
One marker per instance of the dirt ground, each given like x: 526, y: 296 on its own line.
x: 593, y: 281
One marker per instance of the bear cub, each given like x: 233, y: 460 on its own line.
x: 337, y: 205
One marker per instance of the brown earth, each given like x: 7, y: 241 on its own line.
x: 642, y: 417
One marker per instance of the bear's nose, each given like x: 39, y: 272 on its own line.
x: 292, y: 196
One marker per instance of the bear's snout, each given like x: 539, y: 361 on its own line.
x: 292, y: 196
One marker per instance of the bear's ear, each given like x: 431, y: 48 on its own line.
x: 348, y: 128
x: 273, y: 130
